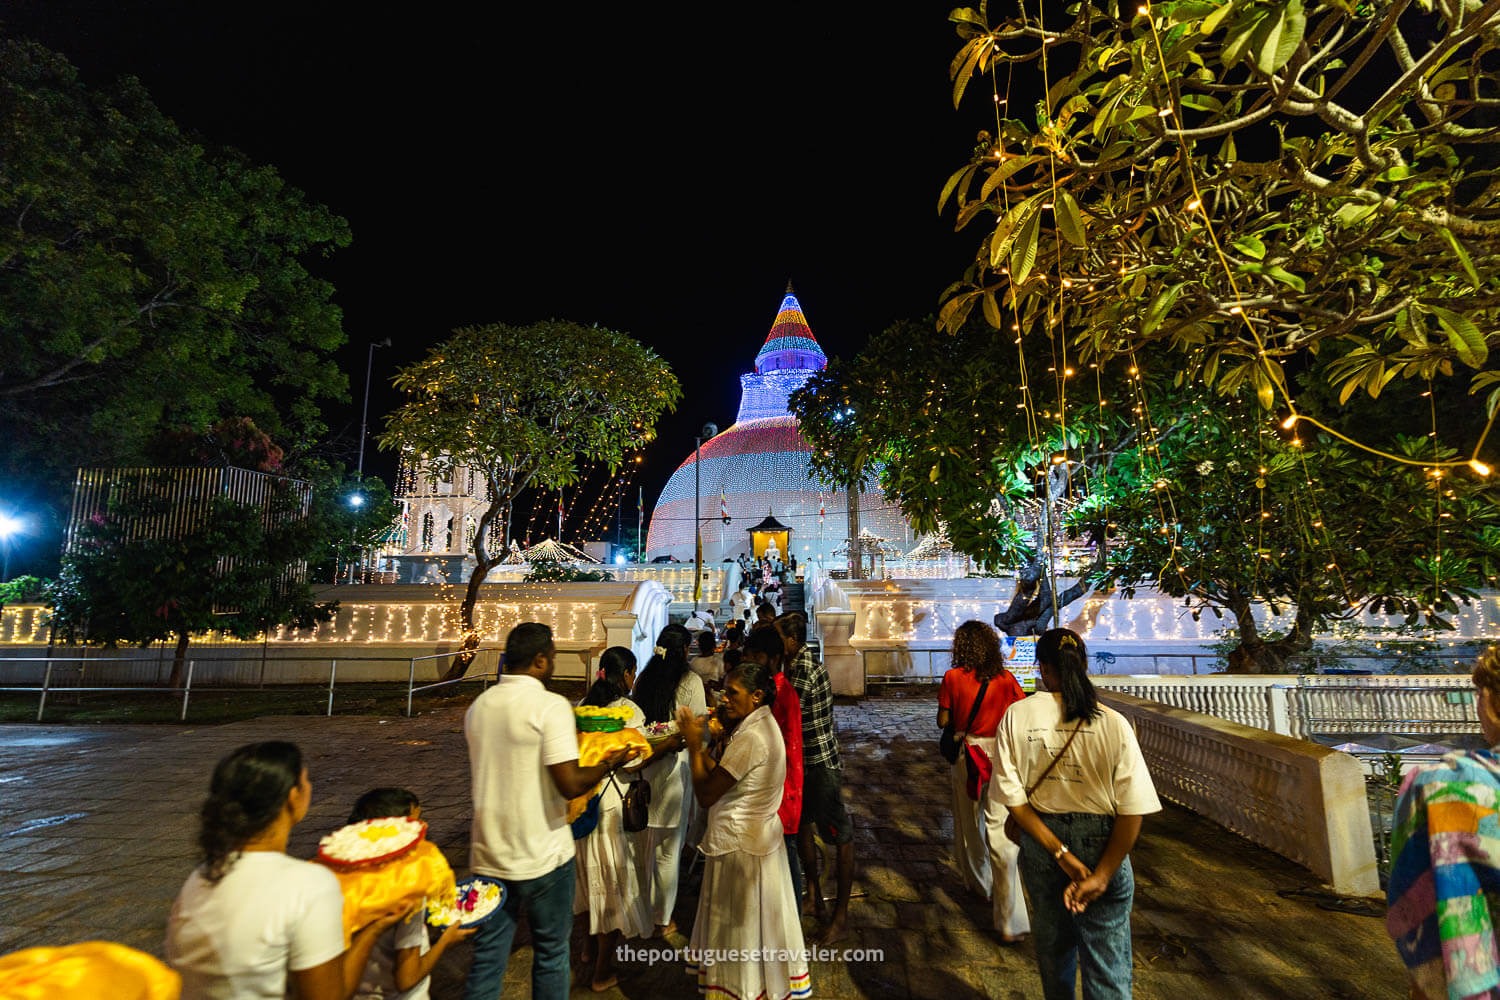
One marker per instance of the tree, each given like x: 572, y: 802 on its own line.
x: 1242, y: 183
x: 949, y: 427
x: 236, y: 572
x: 525, y: 406
x: 1237, y: 515
x: 350, y: 516
x: 147, y: 281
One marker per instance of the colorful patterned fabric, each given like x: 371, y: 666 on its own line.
x: 1445, y: 876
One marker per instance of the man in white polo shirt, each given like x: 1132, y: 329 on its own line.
x: 523, y: 757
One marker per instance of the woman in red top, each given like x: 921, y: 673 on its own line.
x: 986, y: 857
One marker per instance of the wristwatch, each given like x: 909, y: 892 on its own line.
x: 1061, y: 850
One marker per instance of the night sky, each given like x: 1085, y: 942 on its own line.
x: 660, y: 170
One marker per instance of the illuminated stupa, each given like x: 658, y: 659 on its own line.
x: 759, y: 466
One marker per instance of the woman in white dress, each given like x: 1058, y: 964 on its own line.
x: 607, y: 886
x: 251, y: 921
x: 747, y: 902
x: 666, y: 685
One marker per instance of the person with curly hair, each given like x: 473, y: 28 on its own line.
x: 979, y: 688
x: 1445, y: 870
x: 250, y: 918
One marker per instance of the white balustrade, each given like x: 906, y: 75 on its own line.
x: 1302, y: 705
x: 1303, y: 801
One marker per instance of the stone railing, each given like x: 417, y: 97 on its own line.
x: 1303, y: 801
x: 374, y: 635
x: 1305, y: 705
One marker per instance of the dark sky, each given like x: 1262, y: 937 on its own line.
x: 658, y: 169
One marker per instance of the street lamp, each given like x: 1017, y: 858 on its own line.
x: 364, y: 419
x: 9, y: 526
x: 708, y: 431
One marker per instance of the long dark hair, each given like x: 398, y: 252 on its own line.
x: 246, y: 794
x: 656, y: 687
x: 976, y: 649
x: 1063, y: 650
x: 614, y: 663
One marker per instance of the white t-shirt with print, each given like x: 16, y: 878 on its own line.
x: 1103, y: 772
x: 237, y: 938
x: 378, y: 981
x: 514, y: 731
x: 745, y: 819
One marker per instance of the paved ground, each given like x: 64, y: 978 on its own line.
x: 97, y: 823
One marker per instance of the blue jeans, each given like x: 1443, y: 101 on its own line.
x: 548, y: 901
x: 1099, y: 937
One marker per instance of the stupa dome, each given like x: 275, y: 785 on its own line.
x: 759, y: 465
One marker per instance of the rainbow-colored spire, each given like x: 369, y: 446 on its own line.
x: 790, y: 345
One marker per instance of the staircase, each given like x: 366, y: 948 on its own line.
x: 794, y: 598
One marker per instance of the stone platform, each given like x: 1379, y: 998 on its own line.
x: 97, y: 827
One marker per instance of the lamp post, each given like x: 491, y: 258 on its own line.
x: 9, y: 526
x: 708, y: 431
x: 364, y: 419
x: 356, y: 503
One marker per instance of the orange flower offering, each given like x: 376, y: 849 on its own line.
x: 90, y: 969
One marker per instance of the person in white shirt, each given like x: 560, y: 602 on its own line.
x: 403, y: 958
x: 249, y: 919
x: 707, y: 663
x: 1072, y: 775
x: 666, y: 684
x: 523, y: 764
x: 739, y: 602
x: 747, y: 903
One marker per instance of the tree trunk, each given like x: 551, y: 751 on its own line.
x: 179, y: 661
x: 1030, y: 611
x: 1255, y: 655
x: 483, y: 563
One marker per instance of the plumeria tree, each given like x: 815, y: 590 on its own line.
x: 1242, y: 183
x: 526, y: 406
x: 950, y: 428
x: 1238, y: 518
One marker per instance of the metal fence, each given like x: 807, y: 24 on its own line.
x: 47, y: 686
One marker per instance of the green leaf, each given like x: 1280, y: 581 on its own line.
x: 1250, y: 247
x: 992, y: 314
x: 967, y: 15
x: 1463, y: 257
x: 958, y: 175
x: 1211, y: 22
x: 1070, y: 219
x: 1159, y: 307
x: 966, y: 73
x: 1023, y: 253
x: 1126, y: 115
x: 1007, y: 227
x: 1352, y: 213
x: 1463, y: 336
x: 1286, y: 277
x: 1004, y: 169
x: 1237, y: 40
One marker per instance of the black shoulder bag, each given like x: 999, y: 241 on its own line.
x: 948, y: 744
x: 635, y: 810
